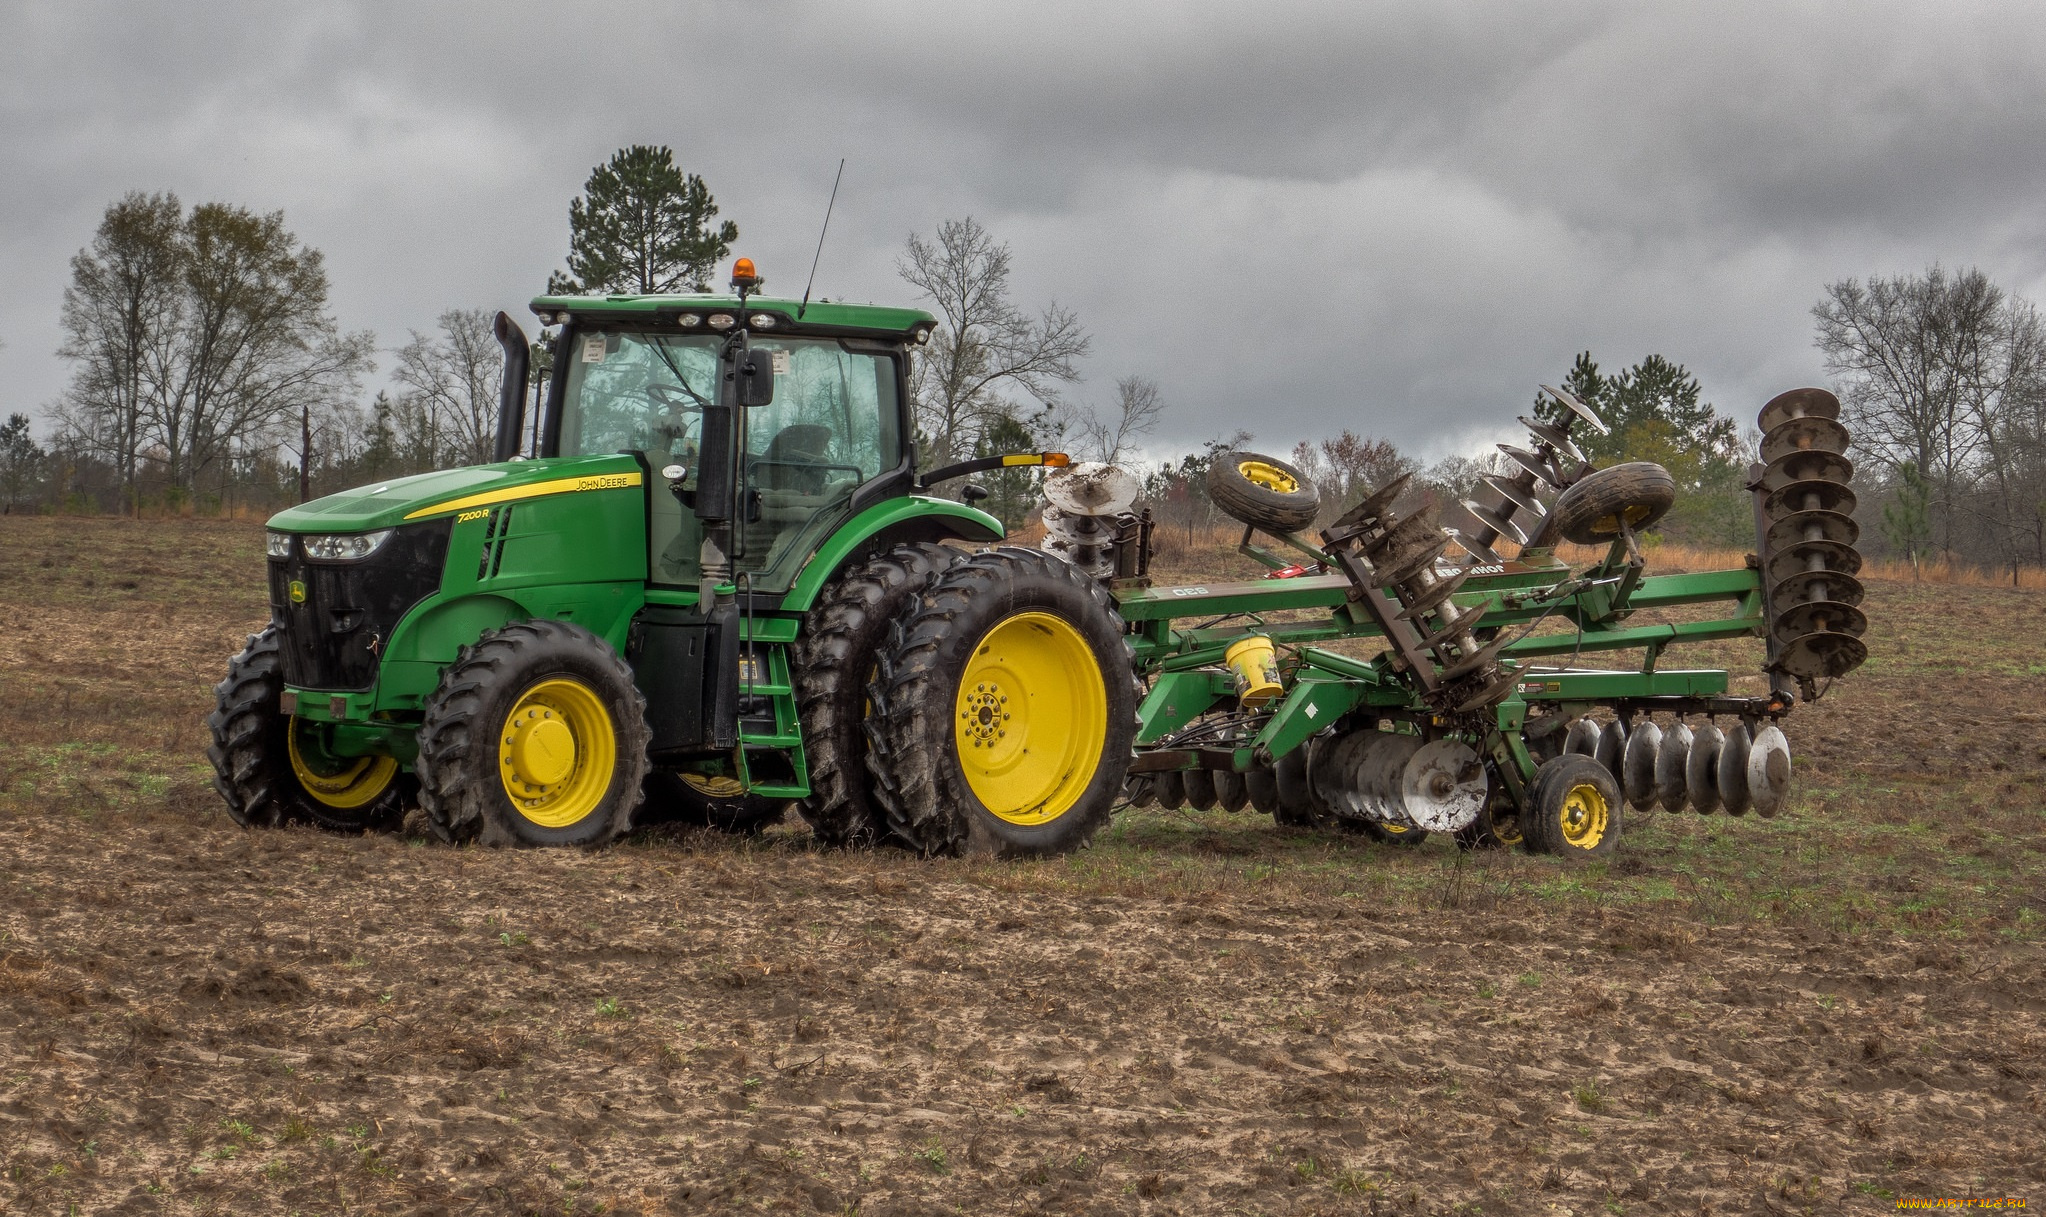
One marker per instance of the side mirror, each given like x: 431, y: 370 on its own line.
x: 756, y: 377
x: 972, y: 492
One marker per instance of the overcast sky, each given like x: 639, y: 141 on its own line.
x: 1295, y: 217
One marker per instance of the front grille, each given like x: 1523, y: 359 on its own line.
x: 334, y: 636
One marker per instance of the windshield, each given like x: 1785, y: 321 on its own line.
x: 645, y: 393
x: 834, y: 424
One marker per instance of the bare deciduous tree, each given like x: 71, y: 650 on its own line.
x: 453, y: 378
x: 1112, y: 438
x: 984, y: 344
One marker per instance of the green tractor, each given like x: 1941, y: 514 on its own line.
x: 709, y: 583
x: 676, y: 595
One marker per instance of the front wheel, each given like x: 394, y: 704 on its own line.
x: 273, y: 768
x: 535, y: 736
x: 706, y: 801
x: 1007, y: 706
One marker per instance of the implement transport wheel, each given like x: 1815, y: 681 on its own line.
x: 701, y: 800
x: 1574, y: 810
x: 851, y: 621
x: 1497, y: 825
x: 273, y: 769
x: 1398, y: 835
x: 1591, y: 510
x: 535, y: 736
x: 1262, y: 491
x: 1009, y: 706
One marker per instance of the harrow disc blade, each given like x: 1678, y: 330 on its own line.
x: 1579, y: 409
x: 1612, y: 745
x: 1454, y: 621
x: 1802, y: 526
x: 1805, y: 587
x: 1403, y: 566
x: 1334, y: 771
x: 1141, y: 789
x: 1477, y: 661
x: 1410, y: 533
x: 1769, y: 771
x: 1804, y: 435
x: 1264, y: 789
x: 1092, y: 489
x: 1820, y: 617
x: 1582, y: 738
x: 1732, y: 777
x: 1541, y: 469
x: 1805, y: 466
x: 1373, y: 505
x: 1554, y: 437
x: 1670, y: 761
x: 1511, y: 491
x: 1084, y: 530
x: 1809, y: 494
x: 1701, y: 770
x: 1498, y: 687
x: 1637, y: 765
x: 1475, y: 548
x: 1443, y: 786
x: 1797, y: 403
x: 1383, y: 768
x: 1822, y: 655
x: 1435, y: 593
x: 1492, y: 520
x: 1797, y: 559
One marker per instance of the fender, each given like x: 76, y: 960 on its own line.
x: 890, y: 522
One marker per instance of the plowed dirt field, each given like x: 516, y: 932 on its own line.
x: 1200, y: 1014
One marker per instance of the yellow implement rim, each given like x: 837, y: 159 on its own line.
x: 715, y: 786
x: 1031, y: 718
x: 1585, y: 816
x: 1267, y: 475
x: 359, y: 780
x: 556, y: 752
x: 1611, y: 523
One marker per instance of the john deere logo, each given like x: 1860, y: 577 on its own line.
x: 297, y: 591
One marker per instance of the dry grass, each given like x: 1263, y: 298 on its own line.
x: 1199, y: 1014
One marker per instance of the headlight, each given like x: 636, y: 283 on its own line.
x: 347, y: 546
x: 278, y: 543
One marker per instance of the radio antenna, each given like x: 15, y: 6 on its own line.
x: 820, y: 239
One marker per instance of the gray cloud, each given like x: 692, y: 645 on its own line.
x: 1296, y: 217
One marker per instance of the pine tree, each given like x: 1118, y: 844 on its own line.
x: 642, y: 226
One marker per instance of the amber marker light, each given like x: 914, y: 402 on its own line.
x: 1057, y: 460
x: 743, y: 272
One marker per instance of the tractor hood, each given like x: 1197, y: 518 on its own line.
x: 425, y: 495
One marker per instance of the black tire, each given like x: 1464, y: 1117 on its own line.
x: 843, y: 630
x: 1497, y: 825
x: 1397, y: 836
x: 1590, y: 511
x: 673, y: 797
x: 252, y: 751
x: 1170, y: 788
x: 1575, y: 810
x: 1230, y: 791
x: 1262, y: 491
x: 1052, y: 634
x: 1300, y: 805
x: 507, y: 670
x: 1201, y: 794
x: 1263, y: 785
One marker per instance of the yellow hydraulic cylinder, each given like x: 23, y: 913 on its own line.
x: 1256, y: 666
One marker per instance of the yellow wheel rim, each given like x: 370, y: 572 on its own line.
x: 1611, y: 524
x: 1268, y: 475
x: 343, y: 783
x: 1585, y: 816
x: 1031, y: 718
x: 556, y: 752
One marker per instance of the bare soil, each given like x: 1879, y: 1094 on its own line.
x: 1200, y: 1014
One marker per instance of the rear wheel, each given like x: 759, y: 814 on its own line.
x: 841, y: 634
x: 273, y: 769
x: 1010, y: 708
x: 535, y: 736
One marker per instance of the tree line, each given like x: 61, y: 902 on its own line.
x: 208, y: 372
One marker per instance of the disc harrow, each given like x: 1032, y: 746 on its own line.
x: 1807, y: 535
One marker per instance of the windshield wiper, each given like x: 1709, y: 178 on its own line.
x: 661, y: 348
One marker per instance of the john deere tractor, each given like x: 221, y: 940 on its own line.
x: 709, y: 582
